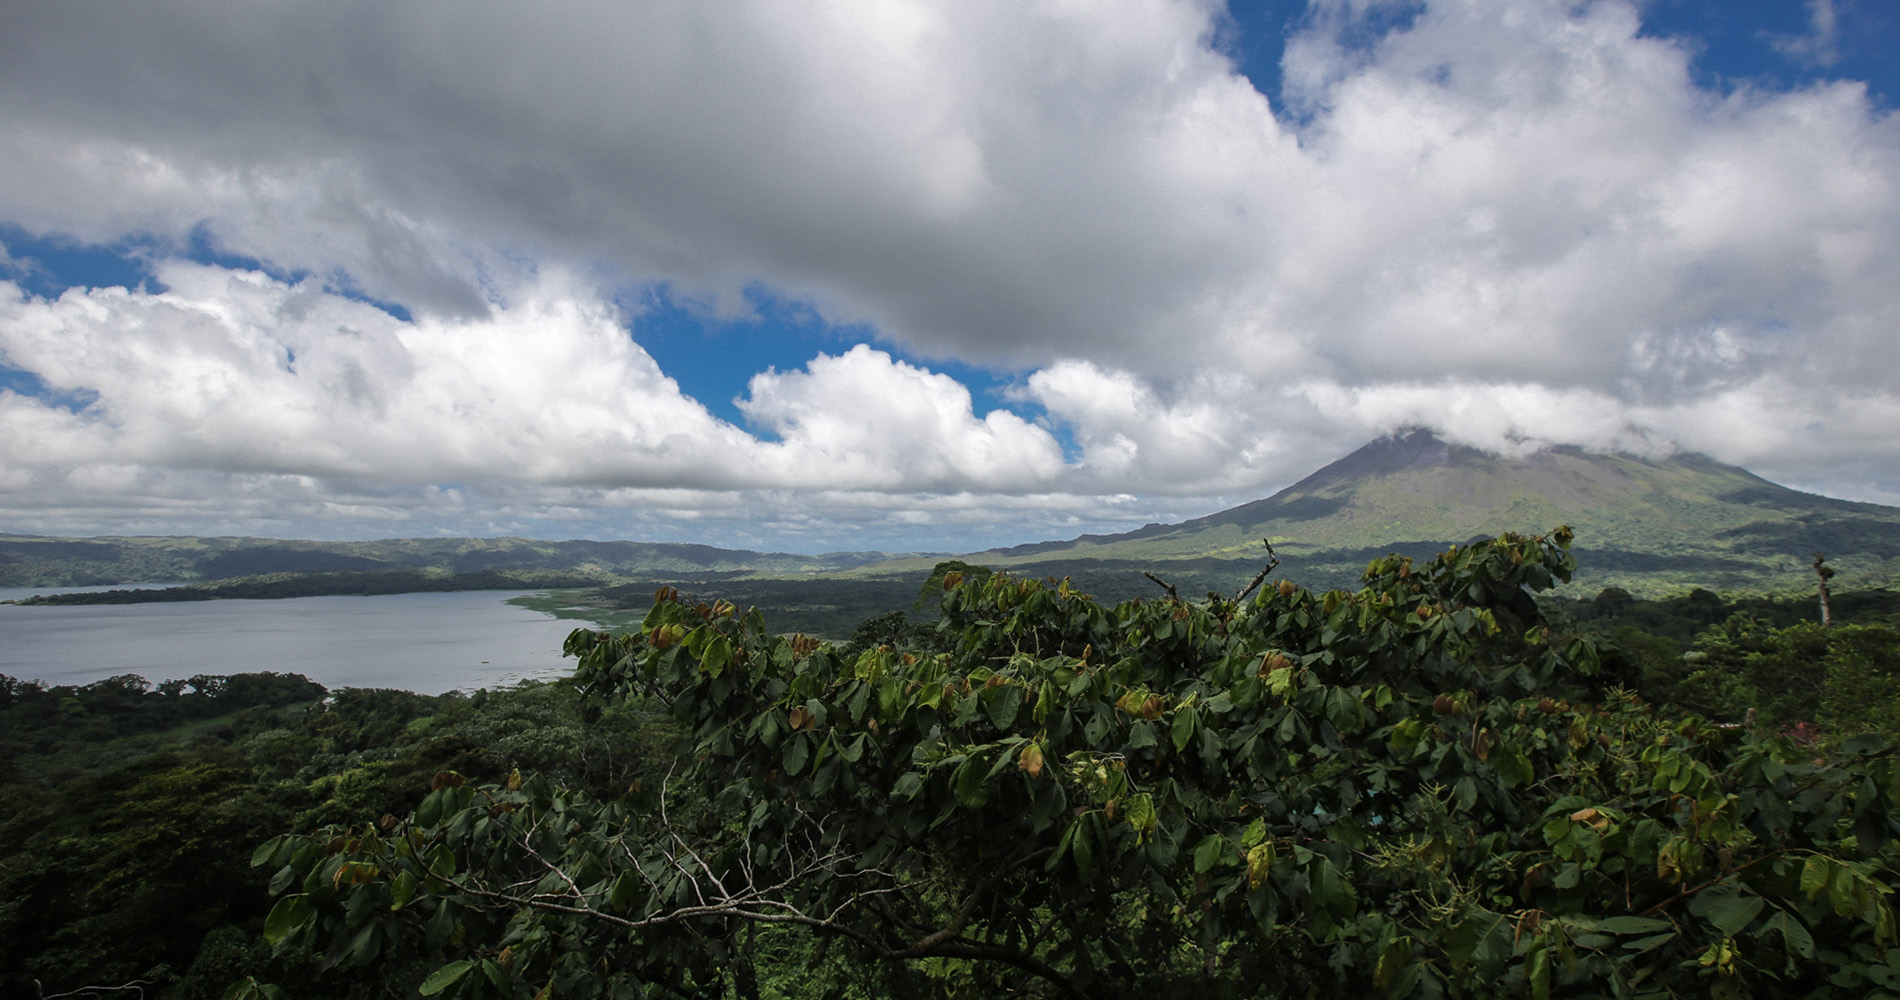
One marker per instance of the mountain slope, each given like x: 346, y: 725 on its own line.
x: 1648, y: 525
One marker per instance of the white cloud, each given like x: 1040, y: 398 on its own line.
x: 1821, y: 46
x: 1520, y: 221
x: 873, y: 422
x: 245, y: 378
x: 235, y: 370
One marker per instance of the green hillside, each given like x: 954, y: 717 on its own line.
x: 1653, y: 527
x: 1650, y: 526
x: 33, y: 561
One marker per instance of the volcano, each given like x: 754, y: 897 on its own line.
x: 1649, y: 525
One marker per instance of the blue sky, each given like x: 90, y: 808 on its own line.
x: 920, y: 276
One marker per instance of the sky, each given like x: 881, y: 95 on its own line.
x: 919, y: 276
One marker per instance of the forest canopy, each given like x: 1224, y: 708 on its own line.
x: 1418, y: 788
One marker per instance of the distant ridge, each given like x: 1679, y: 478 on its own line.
x: 36, y: 561
x: 1649, y: 525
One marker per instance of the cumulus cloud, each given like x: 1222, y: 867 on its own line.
x: 1518, y: 221
x: 236, y: 370
x: 876, y: 422
x: 283, y: 391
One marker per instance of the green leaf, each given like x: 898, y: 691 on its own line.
x: 1062, y: 846
x: 1081, y: 848
x: 797, y: 752
x: 908, y: 785
x: 445, y: 977
x: 290, y: 913
x: 1840, y: 891
x: 430, y: 811
x: 626, y: 889
x: 1732, y: 913
x: 1514, y: 769
x: 824, y: 777
x: 265, y: 851
x: 1396, y: 956
x: 1207, y: 855
x: 1002, y: 703
x: 404, y: 889
x: 367, y: 944
x: 1793, y: 933
x: 1330, y: 888
x: 1141, y: 816
x: 1465, y: 794
x: 717, y: 654
x: 969, y: 783
x: 1183, y: 730
x: 441, y: 927
x: 1004, y: 759
x: 1493, y: 948
x: 1539, y: 971
x: 1814, y: 876
x: 1643, y: 944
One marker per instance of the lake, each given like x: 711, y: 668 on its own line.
x: 429, y: 643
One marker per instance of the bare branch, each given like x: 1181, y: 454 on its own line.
x: 1165, y: 585
x: 136, y: 986
x: 1261, y: 577
x: 955, y: 928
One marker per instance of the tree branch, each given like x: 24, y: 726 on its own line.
x: 137, y: 986
x: 1261, y: 577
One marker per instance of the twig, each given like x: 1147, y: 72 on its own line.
x: 1686, y: 893
x: 137, y: 985
x: 1272, y: 561
x: 954, y: 930
x: 1165, y: 585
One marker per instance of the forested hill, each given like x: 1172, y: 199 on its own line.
x: 1652, y: 526
x: 33, y: 561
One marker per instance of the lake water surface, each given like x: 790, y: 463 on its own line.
x: 429, y: 643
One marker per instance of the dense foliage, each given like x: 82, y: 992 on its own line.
x: 1414, y: 789
x: 1759, y: 661
x: 127, y: 811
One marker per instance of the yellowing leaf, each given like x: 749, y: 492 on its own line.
x: 1141, y: 817
x: 1814, y: 876
x: 1030, y: 761
x: 1259, y: 864
x: 1280, y: 682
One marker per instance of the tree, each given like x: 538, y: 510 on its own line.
x: 1825, y: 573
x: 1413, y: 789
